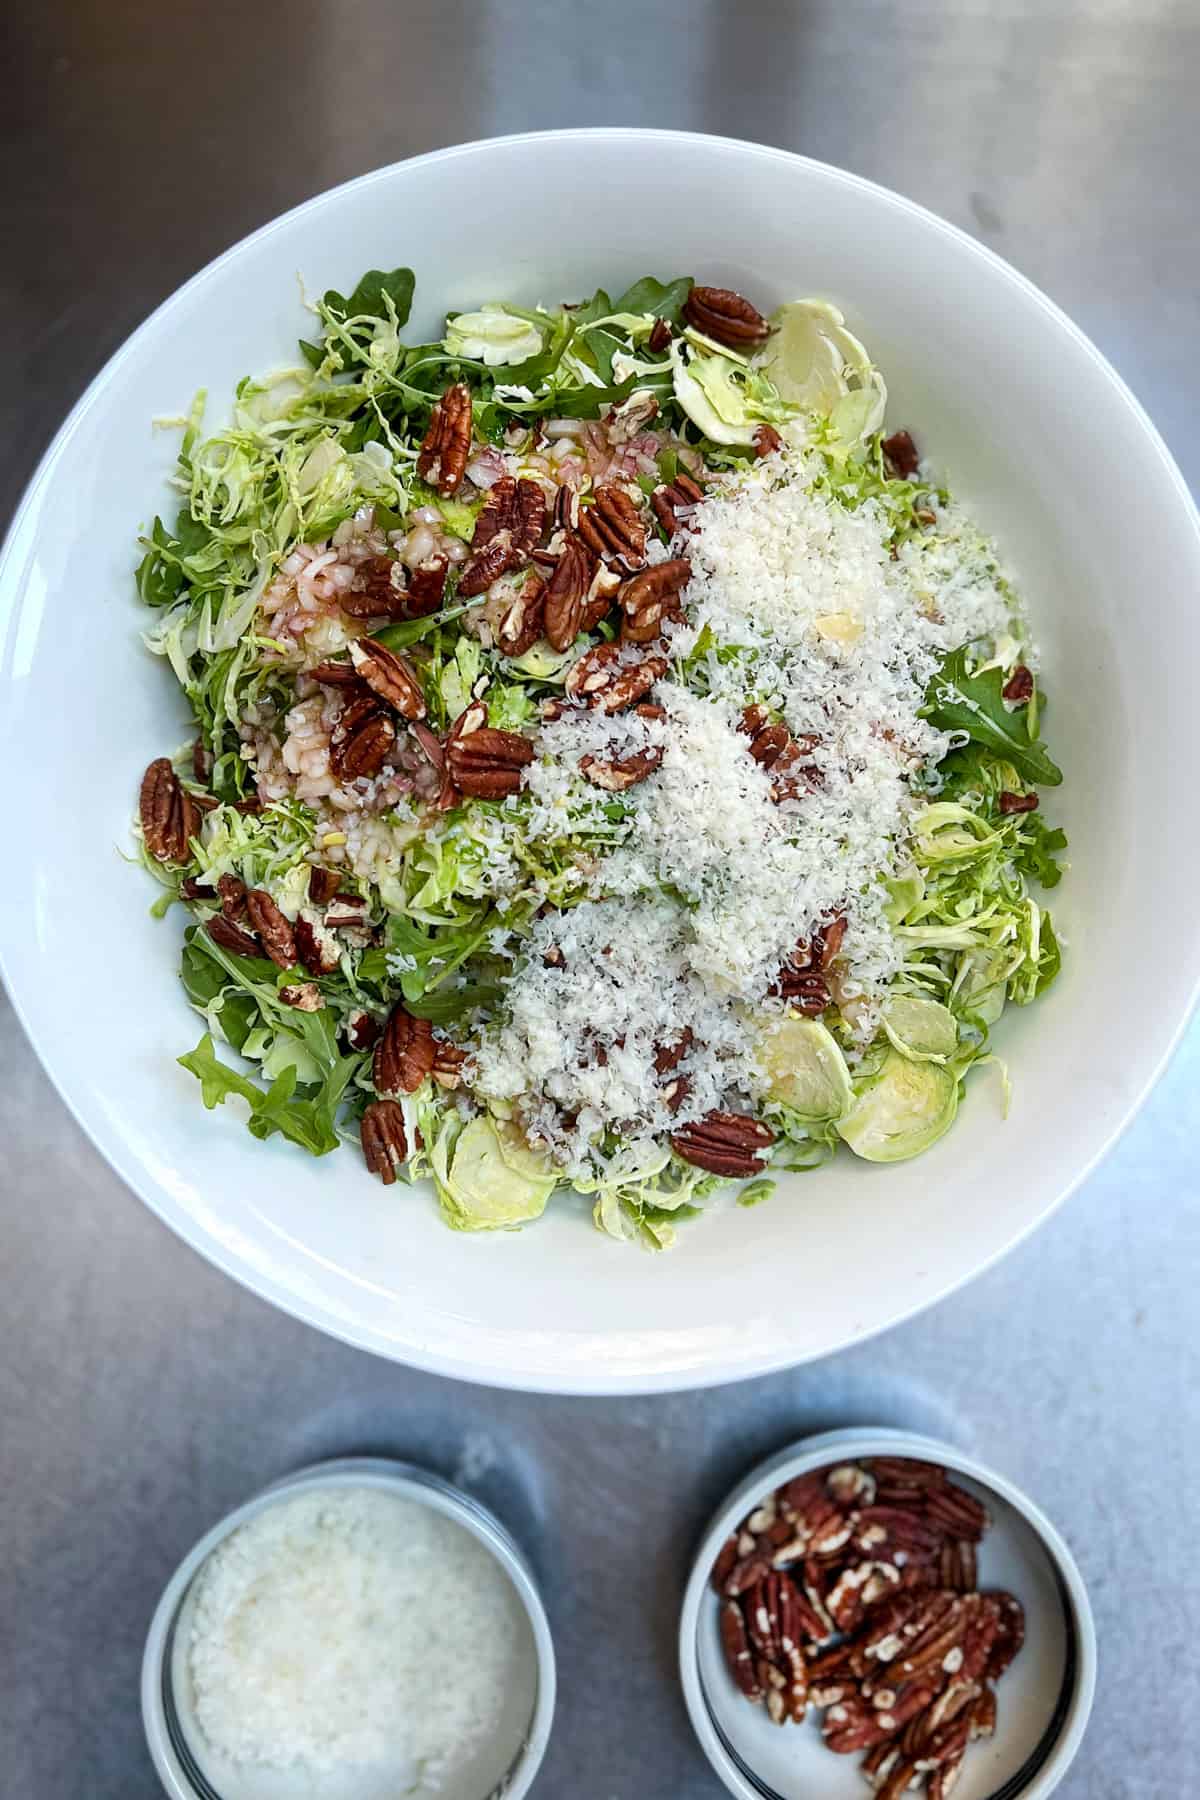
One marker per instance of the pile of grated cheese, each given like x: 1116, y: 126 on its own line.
x: 354, y: 1639
x: 795, y: 602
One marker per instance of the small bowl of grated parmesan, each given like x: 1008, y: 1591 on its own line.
x: 358, y: 1631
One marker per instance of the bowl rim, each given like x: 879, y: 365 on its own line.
x: 700, y: 1372
x: 387, y: 1474
x: 847, y: 1443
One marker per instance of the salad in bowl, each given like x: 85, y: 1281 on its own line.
x: 618, y: 758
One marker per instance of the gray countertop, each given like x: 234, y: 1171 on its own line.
x: 141, y: 1393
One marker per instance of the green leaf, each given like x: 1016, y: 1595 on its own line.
x: 367, y: 299
x: 598, y: 307
x: 957, y: 701
x: 275, y: 1109
x: 664, y: 299
x: 313, y: 354
x: 1038, y: 847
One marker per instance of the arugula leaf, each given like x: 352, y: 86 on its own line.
x: 1038, y: 847
x: 313, y: 354
x: 367, y: 299
x: 303, y: 1122
x: 585, y: 402
x: 598, y: 307
x: 664, y: 299
x: 957, y: 701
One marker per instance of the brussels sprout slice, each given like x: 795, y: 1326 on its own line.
x: 494, y: 1179
x: 821, y: 367
x: 542, y: 662
x: 905, y: 891
x: 982, y: 989
x: 905, y: 1108
x: 806, y: 1071
x: 722, y: 396
x: 493, y: 335
x: 946, y: 832
x: 921, y: 1029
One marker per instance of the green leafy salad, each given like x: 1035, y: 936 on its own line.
x: 616, y: 762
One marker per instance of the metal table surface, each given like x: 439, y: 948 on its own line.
x: 141, y: 1393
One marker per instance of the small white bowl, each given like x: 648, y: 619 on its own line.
x: 509, y: 1764
x: 1044, y: 1699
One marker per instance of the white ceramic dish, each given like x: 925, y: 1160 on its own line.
x: 1043, y: 1701
x: 1040, y: 436
x: 506, y: 1766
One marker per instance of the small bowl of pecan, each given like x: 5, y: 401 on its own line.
x: 872, y: 1605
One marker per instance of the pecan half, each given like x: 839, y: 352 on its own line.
x: 191, y: 889
x: 900, y: 454
x: 651, y: 596
x: 448, y: 1064
x: 613, y: 529
x: 807, y: 989
x: 783, y: 757
x: 335, y: 674
x: 317, y: 951
x: 232, y: 937
x: 660, y: 336
x: 426, y: 586
x: 305, y: 996
x: 606, y: 680
x: 622, y: 772
x: 362, y: 1029
x: 384, y: 1144
x: 598, y: 602
x: 508, y: 526
x: 767, y: 441
x: 725, y: 1143
x: 1017, y: 803
x: 726, y: 317
x: 404, y: 1054
x: 446, y: 446
x: 674, y: 502
x: 232, y: 893
x: 521, y: 626
x: 956, y: 1511
x: 389, y: 676
x: 361, y: 738
x: 378, y: 591
x: 739, y: 1657
x: 487, y: 764
x: 472, y: 718
x: 1019, y: 686
x: 168, y: 813
x: 565, y: 594
x: 323, y: 884
x: 272, y: 927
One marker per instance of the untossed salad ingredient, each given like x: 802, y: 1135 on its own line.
x: 617, y: 755
x: 354, y: 1639
x: 853, y: 1590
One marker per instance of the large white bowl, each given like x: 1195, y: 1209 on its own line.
x: 1039, y: 435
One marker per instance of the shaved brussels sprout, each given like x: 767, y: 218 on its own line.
x: 805, y: 1069
x: 906, y: 1107
x: 493, y: 335
x: 923, y: 1030
x: 819, y: 366
x: 493, y: 1179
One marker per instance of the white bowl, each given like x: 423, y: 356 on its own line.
x: 1044, y: 1700
x: 504, y: 1767
x: 1040, y: 436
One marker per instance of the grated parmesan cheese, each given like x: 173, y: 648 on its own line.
x: 706, y: 884
x: 347, y: 1643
